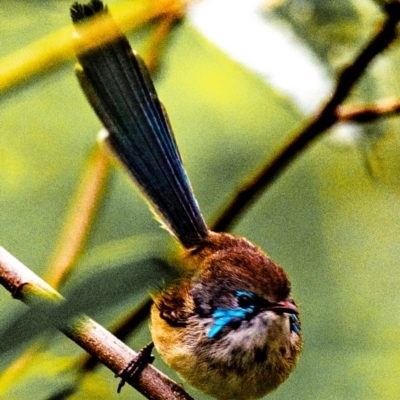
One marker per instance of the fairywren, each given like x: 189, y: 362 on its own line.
x: 230, y: 327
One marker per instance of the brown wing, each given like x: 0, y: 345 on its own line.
x: 175, y: 303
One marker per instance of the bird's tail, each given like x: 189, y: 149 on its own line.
x: 119, y: 88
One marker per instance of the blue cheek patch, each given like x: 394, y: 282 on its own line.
x: 294, y: 324
x: 226, y: 316
x: 223, y: 317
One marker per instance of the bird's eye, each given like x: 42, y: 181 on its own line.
x: 246, y: 300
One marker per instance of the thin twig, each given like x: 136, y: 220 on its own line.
x: 157, y: 40
x: 60, y: 46
x: 81, y: 215
x: 320, y: 123
x: 364, y: 114
x: 92, y: 337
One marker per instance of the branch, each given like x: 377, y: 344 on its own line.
x: 368, y: 113
x: 325, y: 118
x: 121, y: 330
x: 80, y: 217
x: 60, y: 46
x: 92, y: 337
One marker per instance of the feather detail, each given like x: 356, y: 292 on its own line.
x: 118, y: 86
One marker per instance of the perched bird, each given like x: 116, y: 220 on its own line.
x: 230, y: 326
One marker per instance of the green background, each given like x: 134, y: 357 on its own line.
x: 332, y: 219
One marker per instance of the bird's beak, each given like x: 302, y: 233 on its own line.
x: 284, y: 306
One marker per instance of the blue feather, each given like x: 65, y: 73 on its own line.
x: 294, y: 324
x: 118, y: 86
x: 226, y: 316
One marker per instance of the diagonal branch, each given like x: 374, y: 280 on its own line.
x: 92, y: 337
x: 325, y: 119
x: 60, y: 46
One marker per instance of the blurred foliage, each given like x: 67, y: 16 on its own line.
x: 342, y: 26
x: 332, y: 219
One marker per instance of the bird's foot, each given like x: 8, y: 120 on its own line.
x: 136, y: 365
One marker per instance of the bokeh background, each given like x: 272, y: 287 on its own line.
x: 236, y: 85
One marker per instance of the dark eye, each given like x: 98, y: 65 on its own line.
x: 246, y: 300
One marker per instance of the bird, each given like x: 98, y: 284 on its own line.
x: 229, y: 326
